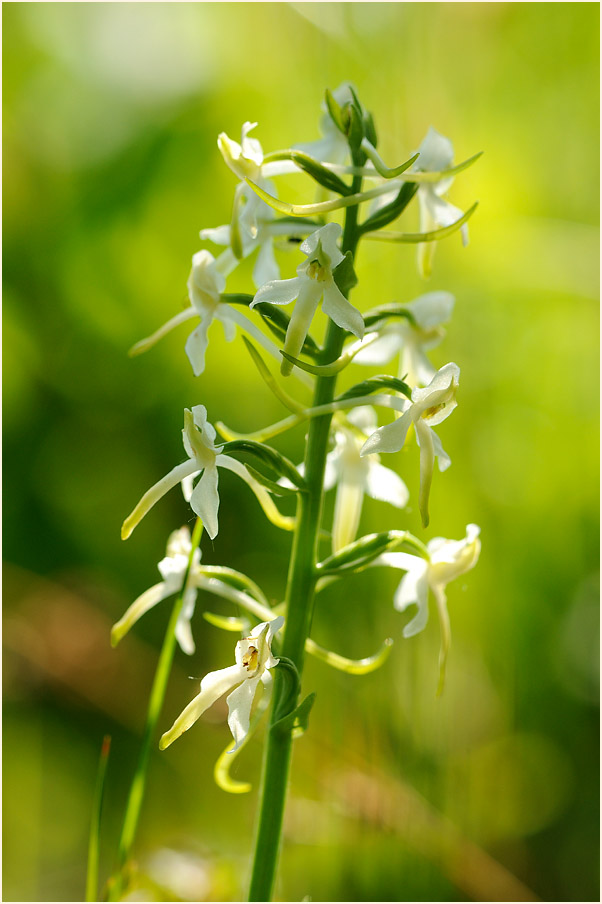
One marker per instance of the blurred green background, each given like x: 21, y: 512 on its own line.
x: 111, y: 113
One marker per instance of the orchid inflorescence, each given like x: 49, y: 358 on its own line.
x: 351, y: 175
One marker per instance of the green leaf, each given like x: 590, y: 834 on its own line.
x: 380, y: 314
x: 226, y: 622
x: 390, y: 211
x: 376, y: 384
x: 237, y: 298
x: 370, y: 128
x: 424, y: 176
x: 336, y: 366
x: 288, y: 683
x: 319, y: 370
x: 274, y: 318
x: 335, y: 111
x: 315, y: 169
x: 270, y: 380
x: 415, y: 238
x: 274, y: 488
x: 275, y: 460
x: 350, y: 666
x: 298, y: 720
x: 355, y: 131
x: 381, y: 168
x: 235, y: 579
x: 344, y: 275
x: 361, y: 552
x: 319, y: 207
x: 277, y: 321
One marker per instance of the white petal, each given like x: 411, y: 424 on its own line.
x: 273, y: 627
x: 199, y: 413
x: 442, y: 380
x: 301, y: 320
x: 205, y: 282
x: 183, y: 630
x: 443, y: 459
x: 266, y: 269
x: 279, y: 291
x: 404, y: 561
x: 389, y: 438
x: 387, y: 486
x: 219, y: 235
x: 451, y: 558
x: 240, y: 702
x: 179, y: 544
x: 413, y: 589
x: 145, y: 601
x: 336, y: 306
x: 155, y: 493
x: 331, y: 471
x: 424, y: 437
x: 415, y: 366
x: 436, y: 401
x: 188, y: 485
x: 347, y: 513
x: 364, y: 417
x: 327, y: 237
x: 196, y: 346
x: 381, y: 351
x: 147, y: 343
x: 205, y: 500
x: 432, y: 309
x: 227, y: 322
x: 442, y: 212
x: 441, y: 600
x: 251, y: 147
x: 213, y: 686
x: 436, y: 152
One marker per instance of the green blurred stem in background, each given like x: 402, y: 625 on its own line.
x: 157, y: 696
x: 299, y: 598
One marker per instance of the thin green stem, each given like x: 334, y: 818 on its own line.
x: 155, y: 705
x: 300, y: 601
x: 94, y: 840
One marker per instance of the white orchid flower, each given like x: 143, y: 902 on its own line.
x: 244, y: 159
x: 448, y: 559
x: 313, y: 283
x: 429, y: 407
x: 436, y: 153
x: 173, y: 569
x: 252, y: 216
x: 253, y: 661
x: 205, y: 285
x: 355, y: 476
x: 204, y: 458
x: 410, y: 339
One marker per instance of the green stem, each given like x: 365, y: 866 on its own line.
x: 157, y: 696
x: 300, y: 601
x: 94, y: 841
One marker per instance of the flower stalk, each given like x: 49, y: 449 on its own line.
x: 299, y: 598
